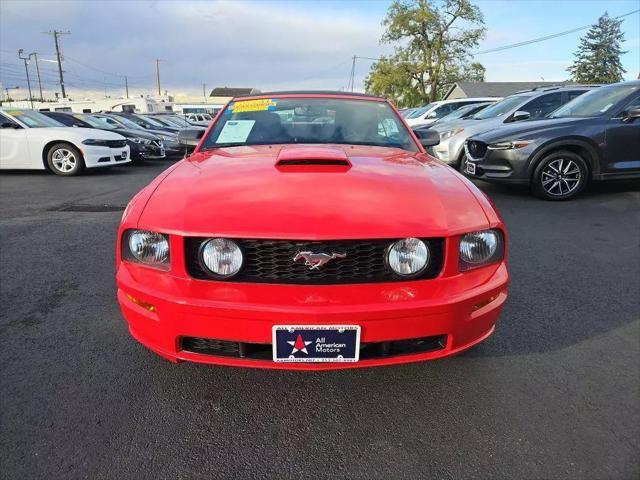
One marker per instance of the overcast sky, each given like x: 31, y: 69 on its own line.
x: 268, y: 44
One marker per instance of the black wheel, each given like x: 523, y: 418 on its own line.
x: 560, y: 176
x: 65, y: 159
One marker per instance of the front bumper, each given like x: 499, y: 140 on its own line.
x: 500, y: 166
x: 95, y: 156
x: 463, y: 307
x: 151, y: 151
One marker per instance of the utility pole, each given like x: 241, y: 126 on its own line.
x: 158, y: 75
x: 126, y: 85
x: 35, y: 55
x: 26, y: 69
x: 204, y: 94
x: 353, y: 73
x: 56, y: 34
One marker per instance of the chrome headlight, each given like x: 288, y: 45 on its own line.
x: 509, y: 145
x: 408, y: 257
x: 149, y: 248
x: 450, y: 133
x: 221, y: 257
x: 480, y: 248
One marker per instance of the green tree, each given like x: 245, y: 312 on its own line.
x: 432, y: 42
x: 597, y: 59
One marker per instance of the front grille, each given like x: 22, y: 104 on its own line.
x: 116, y: 143
x: 476, y: 148
x: 264, y: 351
x: 271, y: 261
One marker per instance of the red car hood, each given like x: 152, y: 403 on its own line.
x: 247, y: 192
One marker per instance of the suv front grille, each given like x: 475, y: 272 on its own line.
x: 116, y: 143
x: 271, y: 261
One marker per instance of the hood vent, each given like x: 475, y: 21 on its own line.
x: 313, y: 161
x: 310, y: 156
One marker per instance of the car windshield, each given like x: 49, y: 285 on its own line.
x: 501, y: 108
x: 162, y: 121
x: 96, y: 122
x: 462, y: 111
x: 148, y: 120
x: 596, y: 102
x: 176, y: 121
x: 418, y: 112
x: 126, y: 122
x: 33, y: 119
x: 309, y: 120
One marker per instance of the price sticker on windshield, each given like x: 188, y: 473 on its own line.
x: 262, y: 105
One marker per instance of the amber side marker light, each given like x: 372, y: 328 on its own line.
x: 145, y: 305
x: 484, y: 303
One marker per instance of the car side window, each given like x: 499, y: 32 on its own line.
x: 8, y: 123
x: 443, y: 110
x: 543, y: 105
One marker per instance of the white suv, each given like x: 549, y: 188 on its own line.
x: 33, y: 141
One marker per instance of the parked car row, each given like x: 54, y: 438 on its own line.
x: 555, y: 139
x: 435, y: 111
x: 43, y: 140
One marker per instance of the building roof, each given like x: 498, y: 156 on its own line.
x: 495, y: 89
x: 231, y: 91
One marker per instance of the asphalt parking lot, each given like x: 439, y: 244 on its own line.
x: 554, y: 393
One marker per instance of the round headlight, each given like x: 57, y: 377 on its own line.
x: 222, y: 256
x: 478, y: 247
x: 149, y: 247
x: 408, y: 257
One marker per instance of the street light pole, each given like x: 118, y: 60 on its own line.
x: 35, y: 56
x: 26, y: 69
x: 7, y: 98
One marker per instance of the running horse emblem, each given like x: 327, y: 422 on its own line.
x: 316, y: 260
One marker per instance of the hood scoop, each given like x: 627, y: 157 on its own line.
x: 305, y: 159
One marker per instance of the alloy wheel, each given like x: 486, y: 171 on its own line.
x: 64, y: 160
x: 561, y: 177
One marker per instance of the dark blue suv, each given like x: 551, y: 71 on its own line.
x: 594, y: 137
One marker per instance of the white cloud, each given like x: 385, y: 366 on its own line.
x: 257, y: 44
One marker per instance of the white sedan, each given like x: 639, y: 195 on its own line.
x: 30, y: 140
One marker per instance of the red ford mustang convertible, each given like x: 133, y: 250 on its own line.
x: 310, y: 231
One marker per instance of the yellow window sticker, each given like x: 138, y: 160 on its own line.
x: 261, y: 105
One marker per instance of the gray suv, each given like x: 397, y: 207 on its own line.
x: 523, y: 106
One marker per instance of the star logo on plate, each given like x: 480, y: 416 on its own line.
x: 299, y: 345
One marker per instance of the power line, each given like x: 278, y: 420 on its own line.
x: 546, y: 37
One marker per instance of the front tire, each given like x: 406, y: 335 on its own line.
x: 560, y: 175
x: 64, y: 159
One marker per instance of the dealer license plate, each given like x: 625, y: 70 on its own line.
x: 316, y: 343
x: 471, y: 168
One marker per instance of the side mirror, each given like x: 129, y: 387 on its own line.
x: 521, y: 115
x: 427, y: 137
x: 632, y: 114
x: 190, y: 137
